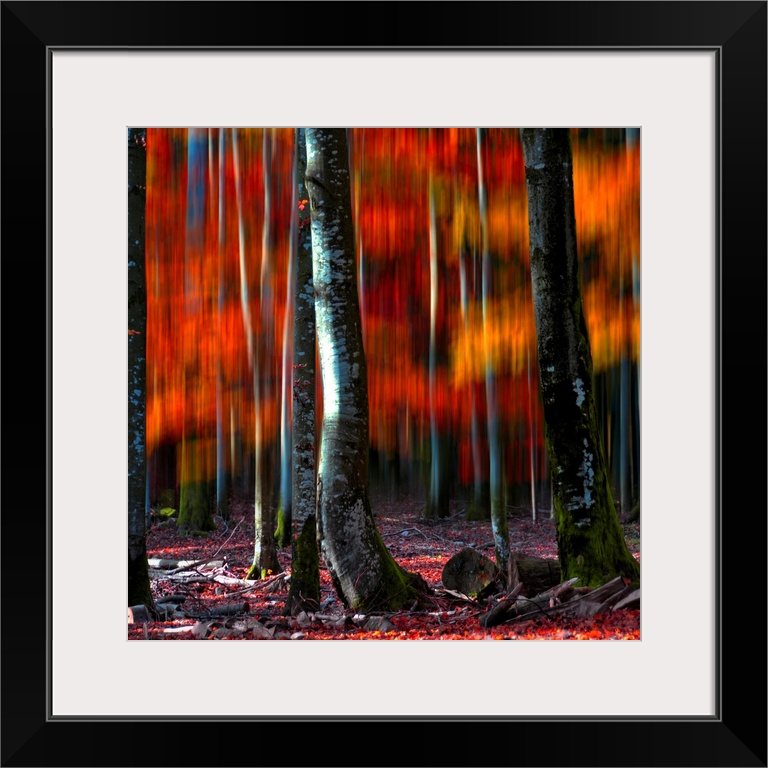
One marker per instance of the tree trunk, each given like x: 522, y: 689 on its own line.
x: 498, y: 511
x: 283, y: 534
x: 223, y: 478
x: 138, y: 573
x: 477, y: 507
x: 265, y: 560
x: 437, y: 498
x: 590, y: 539
x: 364, y: 573
x: 198, y: 463
x: 195, y: 503
x: 304, y: 592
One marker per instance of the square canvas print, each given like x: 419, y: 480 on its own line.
x: 384, y: 383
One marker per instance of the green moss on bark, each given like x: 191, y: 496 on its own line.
x: 304, y: 591
x: 257, y: 572
x: 283, y: 527
x: 195, y: 512
x: 399, y: 588
x: 590, y: 538
x: 479, y: 507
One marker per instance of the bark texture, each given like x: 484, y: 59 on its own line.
x: 304, y: 592
x: 590, y: 539
x: 364, y: 573
x: 138, y: 573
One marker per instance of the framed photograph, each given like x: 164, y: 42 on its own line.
x: 691, y: 76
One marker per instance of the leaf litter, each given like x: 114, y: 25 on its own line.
x: 212, y: 600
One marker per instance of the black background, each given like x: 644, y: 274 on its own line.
x: 736, y: 737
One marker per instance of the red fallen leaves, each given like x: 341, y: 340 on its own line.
x: 616, y: 625
x: 416, y: 544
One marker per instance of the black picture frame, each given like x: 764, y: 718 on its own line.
x: 736, y: 736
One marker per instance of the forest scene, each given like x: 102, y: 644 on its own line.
x: 384, y: 384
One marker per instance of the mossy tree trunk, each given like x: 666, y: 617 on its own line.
x: 265, y: 560
x: 196, y: 497
x: 590, y: 539
x: 304, y: 591
x: 363, y: 571
x: 138, y: 571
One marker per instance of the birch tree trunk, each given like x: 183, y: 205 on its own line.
x: 304, y: 592
x: 590, y: 539
x: 365, y: 575
x: 138, y: 569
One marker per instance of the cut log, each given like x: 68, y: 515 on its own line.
x: 468, y: 572
x: 537, y: 574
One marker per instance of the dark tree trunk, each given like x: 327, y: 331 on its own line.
x: 138, y: 572
x: 304, y: 592
x: 364, y: 573
x: 590, y: 539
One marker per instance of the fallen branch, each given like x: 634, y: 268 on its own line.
x: 491, y: 619
x: 209, y: 563
x: 254, y: 584
x: 178, y: 630
x: 512, y: 608
x: 177, y: 566
x: 565, y: 599
x: 231, y: 609
x: 170, y: 599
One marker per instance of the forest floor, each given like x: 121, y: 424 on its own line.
x: 418, y: 544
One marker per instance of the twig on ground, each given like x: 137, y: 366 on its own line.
x: 260, y: 584
x: 229, y: 537
x: 405, y: 530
